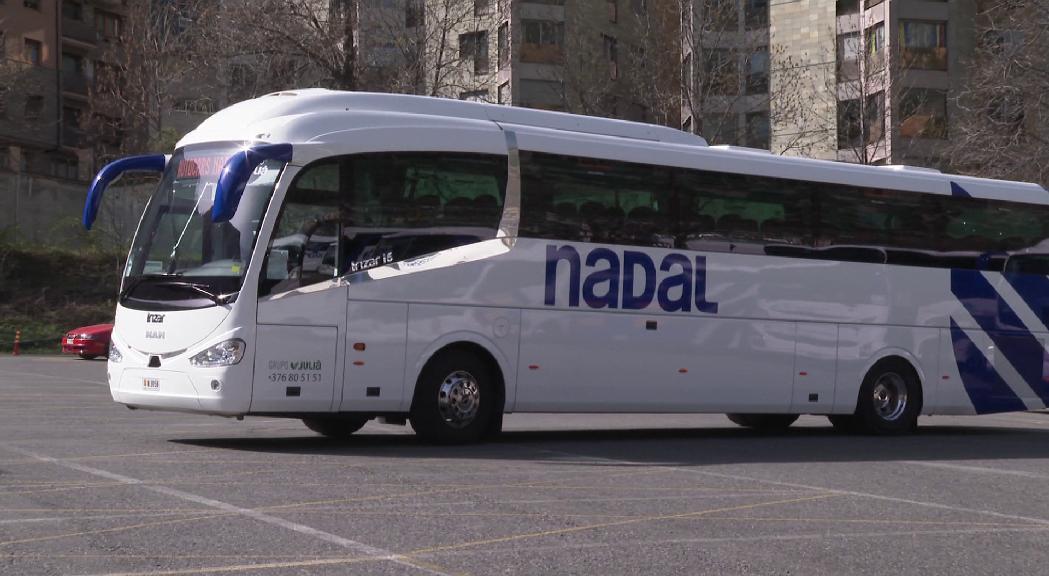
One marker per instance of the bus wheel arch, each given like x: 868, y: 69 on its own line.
x: 891, y: 397
x: 449, y: 381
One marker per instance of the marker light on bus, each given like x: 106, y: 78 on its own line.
x: 225, y: 353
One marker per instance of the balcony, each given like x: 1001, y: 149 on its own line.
x: 79, y: 30
x: 75, y: 83
x: 924, y: 58
x: 72, y: 136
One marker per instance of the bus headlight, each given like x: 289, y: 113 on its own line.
x: 114, y: 354
x: 225, y: 353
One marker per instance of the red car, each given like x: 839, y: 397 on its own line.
x: 88, y: 342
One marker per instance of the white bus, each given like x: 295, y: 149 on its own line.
x: 338, y: 257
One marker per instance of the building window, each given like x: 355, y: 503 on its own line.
x: 612, y: 55
x: 721, y: 15
x: 474, y: 46
x: 850, y: 47
x: 107, y: 25
x: 73, y: 10
x: 413, y: 13
x: 503, y: 45
x: 34, y: 107
x: 543, y: 40
x: 923, y: 45
x: 758, y: 71
x: 613, y: 10
x: 721, y: 129
x: 474, y: 95
x: 849, y: 126
x: 504, y: 93
x: 72, y: 64
x: 876, y: 48
x: 848, y: 7
x: 64, y: 167
x: 1007, y: 109
x: 924, y: 114
x: 756, y: 14
x: 875, y: 117
x: 544, y: 94
x: 758, y: 130
x: 34, y: 50
x: 481, y: 7
x: 722, y: 73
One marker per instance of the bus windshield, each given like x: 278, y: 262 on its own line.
x: 180, y: 258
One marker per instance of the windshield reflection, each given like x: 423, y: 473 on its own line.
x: 180, y: 257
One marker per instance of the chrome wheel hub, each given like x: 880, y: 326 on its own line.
x: 890, y: 396
x: 458, y: 399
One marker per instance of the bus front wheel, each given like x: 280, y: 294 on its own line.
x: 764, y: 422
x: 336, y: 426
x: 454, y: 398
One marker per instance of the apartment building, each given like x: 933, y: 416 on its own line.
x: 880, y: 76
x: 725, y: 71
x: 599, y: 57
x: 50, y: 52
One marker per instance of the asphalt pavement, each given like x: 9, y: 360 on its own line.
x: 88, y: 487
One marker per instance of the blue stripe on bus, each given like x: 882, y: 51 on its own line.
x: 1034, y: 290
x: 1020, y: 348
x: 957, y: 190
x: 986, y: 389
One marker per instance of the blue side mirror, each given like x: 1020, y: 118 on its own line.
x: 235, y: 175
x: 112, y: 171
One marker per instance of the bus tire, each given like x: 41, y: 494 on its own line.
x: 843, y: 422
x: 890, y: 399
x: 764, y: 422
x: 455, y: 398
x: 342, y: 426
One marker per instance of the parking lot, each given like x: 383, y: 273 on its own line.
x: 89, y: 487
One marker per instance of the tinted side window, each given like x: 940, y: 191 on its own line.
x: 398, y: 206
x: 716, y: 208
x: 591, y: 200
x: 348, y: 214
x: 308, y: 226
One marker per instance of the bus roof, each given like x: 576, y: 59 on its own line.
x: 308, y: 115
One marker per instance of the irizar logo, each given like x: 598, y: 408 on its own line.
x: 154, y: 318
x: 612, y: 282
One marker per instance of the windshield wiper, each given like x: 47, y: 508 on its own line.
x: 190, y: 286
x: 199, y: 289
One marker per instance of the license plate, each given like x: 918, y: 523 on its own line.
x: 150, y: 384
x: 69, y: 340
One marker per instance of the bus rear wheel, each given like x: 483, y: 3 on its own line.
x: 764, y: 422
x: 336, y: 426
x: 454, y: 399
x: 890, y: 399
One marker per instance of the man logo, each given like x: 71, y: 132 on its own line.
x: 154, y: 318
x: 612, y: 285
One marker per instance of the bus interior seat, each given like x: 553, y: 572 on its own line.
x: 487, y: 209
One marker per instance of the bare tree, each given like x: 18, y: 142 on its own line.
x: 1002, y: 129
x: 861, y: 86
x: 726, y: 75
